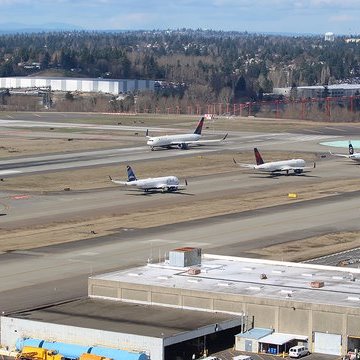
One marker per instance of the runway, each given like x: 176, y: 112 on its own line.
x: 76, y: 160
x: 39, y: 276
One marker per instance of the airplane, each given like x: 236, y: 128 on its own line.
x: 164, y: 183
x: 182, y: 141
x: 352, y: 154
x: 273, y: 167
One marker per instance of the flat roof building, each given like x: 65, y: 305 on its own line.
x: 318, y: 91
x: 161, y: 309
x: 110, y: 86
x: 319, y: 302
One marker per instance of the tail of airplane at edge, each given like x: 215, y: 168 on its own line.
x: 258, y: 158
x: 351, y: 148
x: 199, y: 126
x: 130, y: 173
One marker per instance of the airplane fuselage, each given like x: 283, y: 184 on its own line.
x: 283, y: 165
x: 165, y: 183
x: 172, y: 140
x: 355, y: 157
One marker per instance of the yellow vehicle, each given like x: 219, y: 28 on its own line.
x: 30, y: 352
x: 87, y: 356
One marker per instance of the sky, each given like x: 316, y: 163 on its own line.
x: 260, y: 16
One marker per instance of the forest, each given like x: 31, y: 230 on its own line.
x: 197, y: 66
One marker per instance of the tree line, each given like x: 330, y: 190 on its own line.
x: 205, y: 66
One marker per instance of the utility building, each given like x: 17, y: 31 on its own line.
x: 168, y: 310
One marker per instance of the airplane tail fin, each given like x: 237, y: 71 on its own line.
x: 351, y: 148
x: 199, y: 126
x: 258, y: 158
x: 130, y: 174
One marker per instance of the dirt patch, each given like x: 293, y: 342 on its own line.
x: 310, y: 248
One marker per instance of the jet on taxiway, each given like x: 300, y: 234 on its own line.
x: 164, y: 183
x: 181, y: 141
x: 295, y: 165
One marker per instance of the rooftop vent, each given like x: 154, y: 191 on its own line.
x: 248, y: 268
x: 336, y: 277
x: 277, y: 271
x: 307, y: 274
x: 135, y: 274
x: 317, y: 284
x: 254, y: 288
x: 194, y: 271
x: 164, y: 277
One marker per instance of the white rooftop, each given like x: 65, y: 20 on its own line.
x: 277, y: 338
x: 243, y: 276
x: 333, y: 87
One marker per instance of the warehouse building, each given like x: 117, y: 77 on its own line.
x: 318, y: 91
x: 109, y: 86
x: 195, y: 304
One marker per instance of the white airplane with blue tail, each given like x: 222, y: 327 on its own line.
x: 163, y: 184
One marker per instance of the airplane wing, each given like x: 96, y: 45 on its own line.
x: 296, y: 168
x: 247, y: 166
x: 199, y: 142
x: 167, y: 187
x: 340, y: 155
x: 288, y: 168
x: 119, y: 182
x: 182, y: 186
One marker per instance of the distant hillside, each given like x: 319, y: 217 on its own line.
x: 18, y: 28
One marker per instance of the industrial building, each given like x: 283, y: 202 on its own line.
x: 336, y: 90
x: 110, y: 86
x: 195, y: 303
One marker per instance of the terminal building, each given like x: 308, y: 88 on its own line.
x: 195, y: 304
x: 110, y: 86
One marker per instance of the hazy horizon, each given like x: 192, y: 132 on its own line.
x: 255, y: 16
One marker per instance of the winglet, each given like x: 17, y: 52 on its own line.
x: 110, y: 178
x: 147, y: 133
x: 235, y: 161
x: 186, y: 183
x: 314, y: 164
x: 225, y: 137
